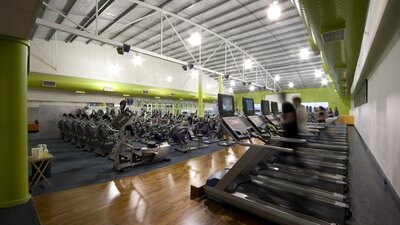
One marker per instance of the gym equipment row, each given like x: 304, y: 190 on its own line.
x: 116, y: 134
x: 284, y: 180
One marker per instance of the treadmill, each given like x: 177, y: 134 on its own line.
x: 328, y: 143
x: 329, y: 164
x: 272, y: 199
x: 323, y: 131
x: 259, y: 124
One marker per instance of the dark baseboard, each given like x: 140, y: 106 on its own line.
x: 387, y: 183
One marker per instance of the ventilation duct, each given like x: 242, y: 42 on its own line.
x: 333, y: 36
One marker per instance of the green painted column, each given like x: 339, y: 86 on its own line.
x: 200, y: 110
x: 13, y: 122
x: 220, y: 84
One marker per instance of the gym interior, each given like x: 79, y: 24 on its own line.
x: 199, y: 112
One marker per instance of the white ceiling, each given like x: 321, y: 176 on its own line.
x: 274, y: 44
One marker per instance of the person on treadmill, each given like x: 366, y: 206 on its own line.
x: 301, y: 114
x: 321, y: 115
x: 289, y: 122
x: 336, y: 112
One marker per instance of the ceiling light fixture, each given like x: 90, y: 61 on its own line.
x: 252, y: 88
x: 274, y: 11
x: 324, y: 82
x: 232, y: 83
x: 277, y: 78
x: 291, y: 85
x: 169, y: 79
x: 247, y: 64
x: 304, y: 53
x: 137, y: 60
x: 318, y: 73
x: 195, y: 39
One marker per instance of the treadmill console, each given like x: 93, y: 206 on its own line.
x: 273, y: 119
x: 258, y: 123
x: 236, y: 126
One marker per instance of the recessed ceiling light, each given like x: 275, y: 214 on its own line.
x: 195, y: 39
x: 324, y: 82
x: 274, y: 11
x: 304, y: 53
x: 113, y: 69
x: 169, y: 79
x: 137, y: 60
x: 318, y: 73
x: 195, y: 73
x: 247, y: 64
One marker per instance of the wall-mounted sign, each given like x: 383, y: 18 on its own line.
x: 108, y: 88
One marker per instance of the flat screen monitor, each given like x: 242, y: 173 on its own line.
x: 274, y: 108
x: 226, y: 106
x: 248, y: 106
x: 265, y: 107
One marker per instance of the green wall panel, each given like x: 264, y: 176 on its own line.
x: 307, y: 95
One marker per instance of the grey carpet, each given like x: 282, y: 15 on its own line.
x: 372, y: 204
x: 73, y: 167
x: 19, y: 215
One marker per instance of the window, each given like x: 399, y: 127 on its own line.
x: 361, y: 96
x: 316, y: 104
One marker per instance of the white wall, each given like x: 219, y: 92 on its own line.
x: 375, y: 12
x: 38, y: 97
x: 378, y: 121
x: 78, y: 59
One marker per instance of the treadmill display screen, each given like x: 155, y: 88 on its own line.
x: 265, y: 107
x: 226, y: 105
x: 248, y: 106
x: 274, y: 108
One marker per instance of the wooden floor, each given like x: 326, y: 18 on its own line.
x: 161, y: 196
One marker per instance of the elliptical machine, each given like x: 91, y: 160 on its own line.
x: 152, y: 153
x: 68, y: 124
x: 106, y: 133
x: 60, y: 125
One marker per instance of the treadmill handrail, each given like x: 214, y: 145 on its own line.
x: 289, y: 140
x: 266, y: 147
